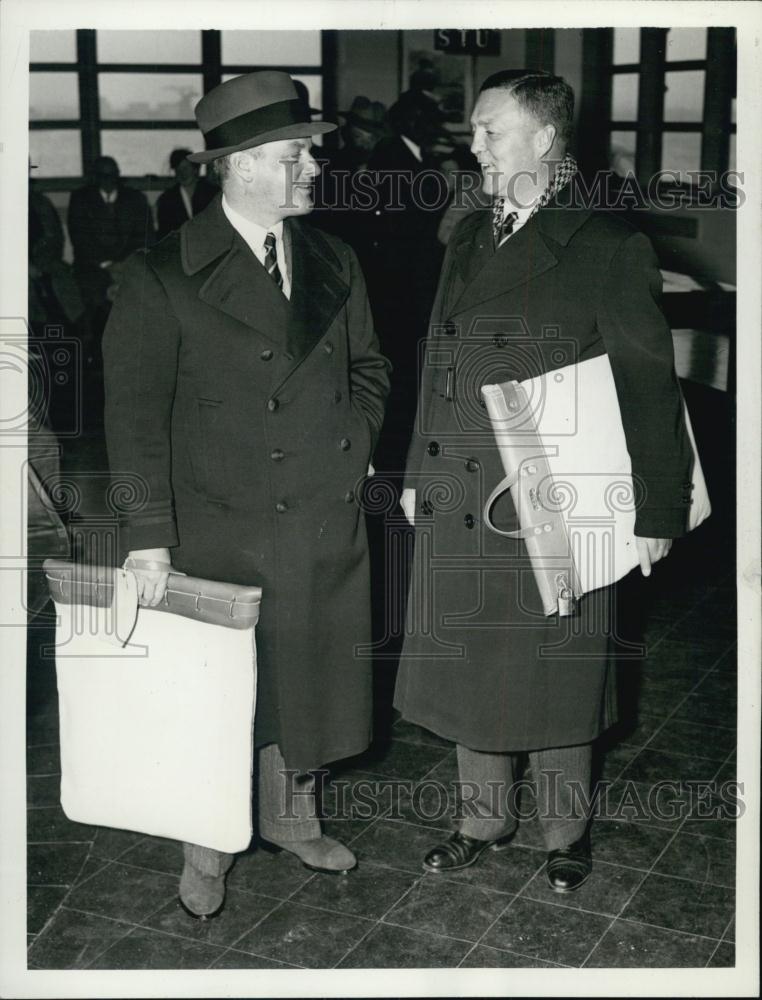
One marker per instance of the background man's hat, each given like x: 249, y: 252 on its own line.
x: 251, y: 110
x: 367, y: 114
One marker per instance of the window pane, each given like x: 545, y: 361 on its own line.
x: 271, y: 48
x: 681, y: 151
x: 624, y: 101
x: 53, y: 95
x: 52, y: 46
x: 149, y: 46
x: 686, y: 43
x: 623, y: 153
x: 149, y: 96
x: 684, y: 97
x: 626, y: 45
x: 138, y: 152
x: 56, y: 152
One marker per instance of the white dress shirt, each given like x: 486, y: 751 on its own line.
x: 523, y: 217
x: 254, y: 236
x: 187, y: 201
x: 414, y: 148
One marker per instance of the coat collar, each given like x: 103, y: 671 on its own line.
x: 241, y: 288
x: 488, y: 274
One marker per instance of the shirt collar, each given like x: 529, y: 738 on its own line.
x: 252, y: 232
x: 414, y: 148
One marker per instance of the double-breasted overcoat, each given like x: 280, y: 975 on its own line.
x: 251, y: 420
x: 481, y: 664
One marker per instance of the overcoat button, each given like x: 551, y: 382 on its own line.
x: 328, y: 347
x: 449, y: 329
x: 345, y: 444
x: 272, y: 405
x: 266, y: 355
x: 433, y: 448
x: 469, y: 520
x: 337, y: 396
x: 349, y: 496
x: 472, y: 465
x: 277, y: 455
x: 500, y: 340
x: 281, y: 506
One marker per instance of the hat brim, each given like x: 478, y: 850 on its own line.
x: 302, y: 130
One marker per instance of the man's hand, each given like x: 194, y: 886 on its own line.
x: 407, y: 503
x: 650, y: 551
x: 151, y: 582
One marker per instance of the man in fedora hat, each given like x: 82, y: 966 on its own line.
x: 245, y: 385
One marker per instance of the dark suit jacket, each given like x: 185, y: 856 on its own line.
x: 170, y: 207
x: 251, y: 421
x: 484, y: 666
x: 101, y: 232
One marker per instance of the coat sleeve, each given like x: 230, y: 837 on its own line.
x: 140, y: 356
x: 638, y: 342
x: 369, y: 369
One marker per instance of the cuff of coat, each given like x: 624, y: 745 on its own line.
x: 666, y: 522
x: 147, y: 536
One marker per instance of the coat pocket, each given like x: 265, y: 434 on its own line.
x: 210, y: 466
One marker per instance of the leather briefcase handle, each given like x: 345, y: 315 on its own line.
x: 228, y: 604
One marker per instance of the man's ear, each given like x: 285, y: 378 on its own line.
x: 243, y: 165
x: 544, y: 139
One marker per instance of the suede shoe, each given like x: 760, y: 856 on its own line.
x: 461, y: 851
x: 321, y: 854
x: 569, y: 867
x: 202, y: 884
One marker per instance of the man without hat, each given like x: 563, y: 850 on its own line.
x: 245, y: 385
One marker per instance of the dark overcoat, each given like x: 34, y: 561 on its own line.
x: 481, y: 664
x: 252, y: 420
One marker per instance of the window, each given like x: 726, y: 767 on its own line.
x: 672, y: 100
x: 131, y: 94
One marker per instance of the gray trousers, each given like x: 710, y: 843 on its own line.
x: 561, y: 777
x: 286, y: 812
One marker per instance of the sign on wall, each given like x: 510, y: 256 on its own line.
x: 468, y: 41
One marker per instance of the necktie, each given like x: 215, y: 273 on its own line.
x: 271, y: 260
x: 501, y: 227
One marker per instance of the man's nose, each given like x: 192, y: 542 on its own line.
x: 476, y: 143
x: 311, y: 166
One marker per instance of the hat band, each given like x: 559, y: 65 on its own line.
x: 248, y: 126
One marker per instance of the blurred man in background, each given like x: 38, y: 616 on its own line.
x: 189, y: 196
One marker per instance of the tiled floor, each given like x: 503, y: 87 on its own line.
x: 661, y: 894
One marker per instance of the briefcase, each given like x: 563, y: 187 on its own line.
x: 564, y: 454
x: 156, y: 704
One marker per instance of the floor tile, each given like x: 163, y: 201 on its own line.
x: 55, y: 864
x: 123, y: 893
x: 707, y: 711
x: 728, y: 661
x: 368, y: 891
x: 43, y: 760
x: 91, y: 867
x: 356, y: 797
x: 682, y: 905
x: 110, y: 843
x: 396, y: 845
x: 156, y: 854
x: 276, y: 875
x: 505, y: 871
x: 399, y: 759
x: 541, y: 930
x: 673, y: 657
x: 43, y: 791
x: 443, y: 906
x: 665, y: 807
x: 241, y: 912
x: 491, y: 958
x: 640, y: 729
x: 719, y: 684
x: 724, y: 957
x: 144, y: 949
x: 628, y: 945
x: 303, y: 935
x: 51, y: 823
x: 42, y: 902
x: 711, y: 627
x: 388, y: 947
x: 659, y: 765
x: 658, y: 701
x: 730, y: 931
x: 410, y: 733
x: 682, y: 737
x: 72, y: 940
x: 611, y: 763
x: 242, y: 960
x: 702, y: 859
x: 634, y: 845
x: 606, y: 891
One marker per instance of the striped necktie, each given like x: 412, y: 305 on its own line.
x: 501, y: 227
x: 271, y: 260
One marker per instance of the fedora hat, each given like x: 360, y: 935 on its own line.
x: 251, y: 110
x: 366, y: 114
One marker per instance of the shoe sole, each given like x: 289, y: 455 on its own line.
x: 202, y: 917
x: 564, y: 891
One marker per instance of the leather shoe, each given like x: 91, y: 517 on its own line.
x: 321, y: 854
x: 461, y: 851
x: 568, y: 867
